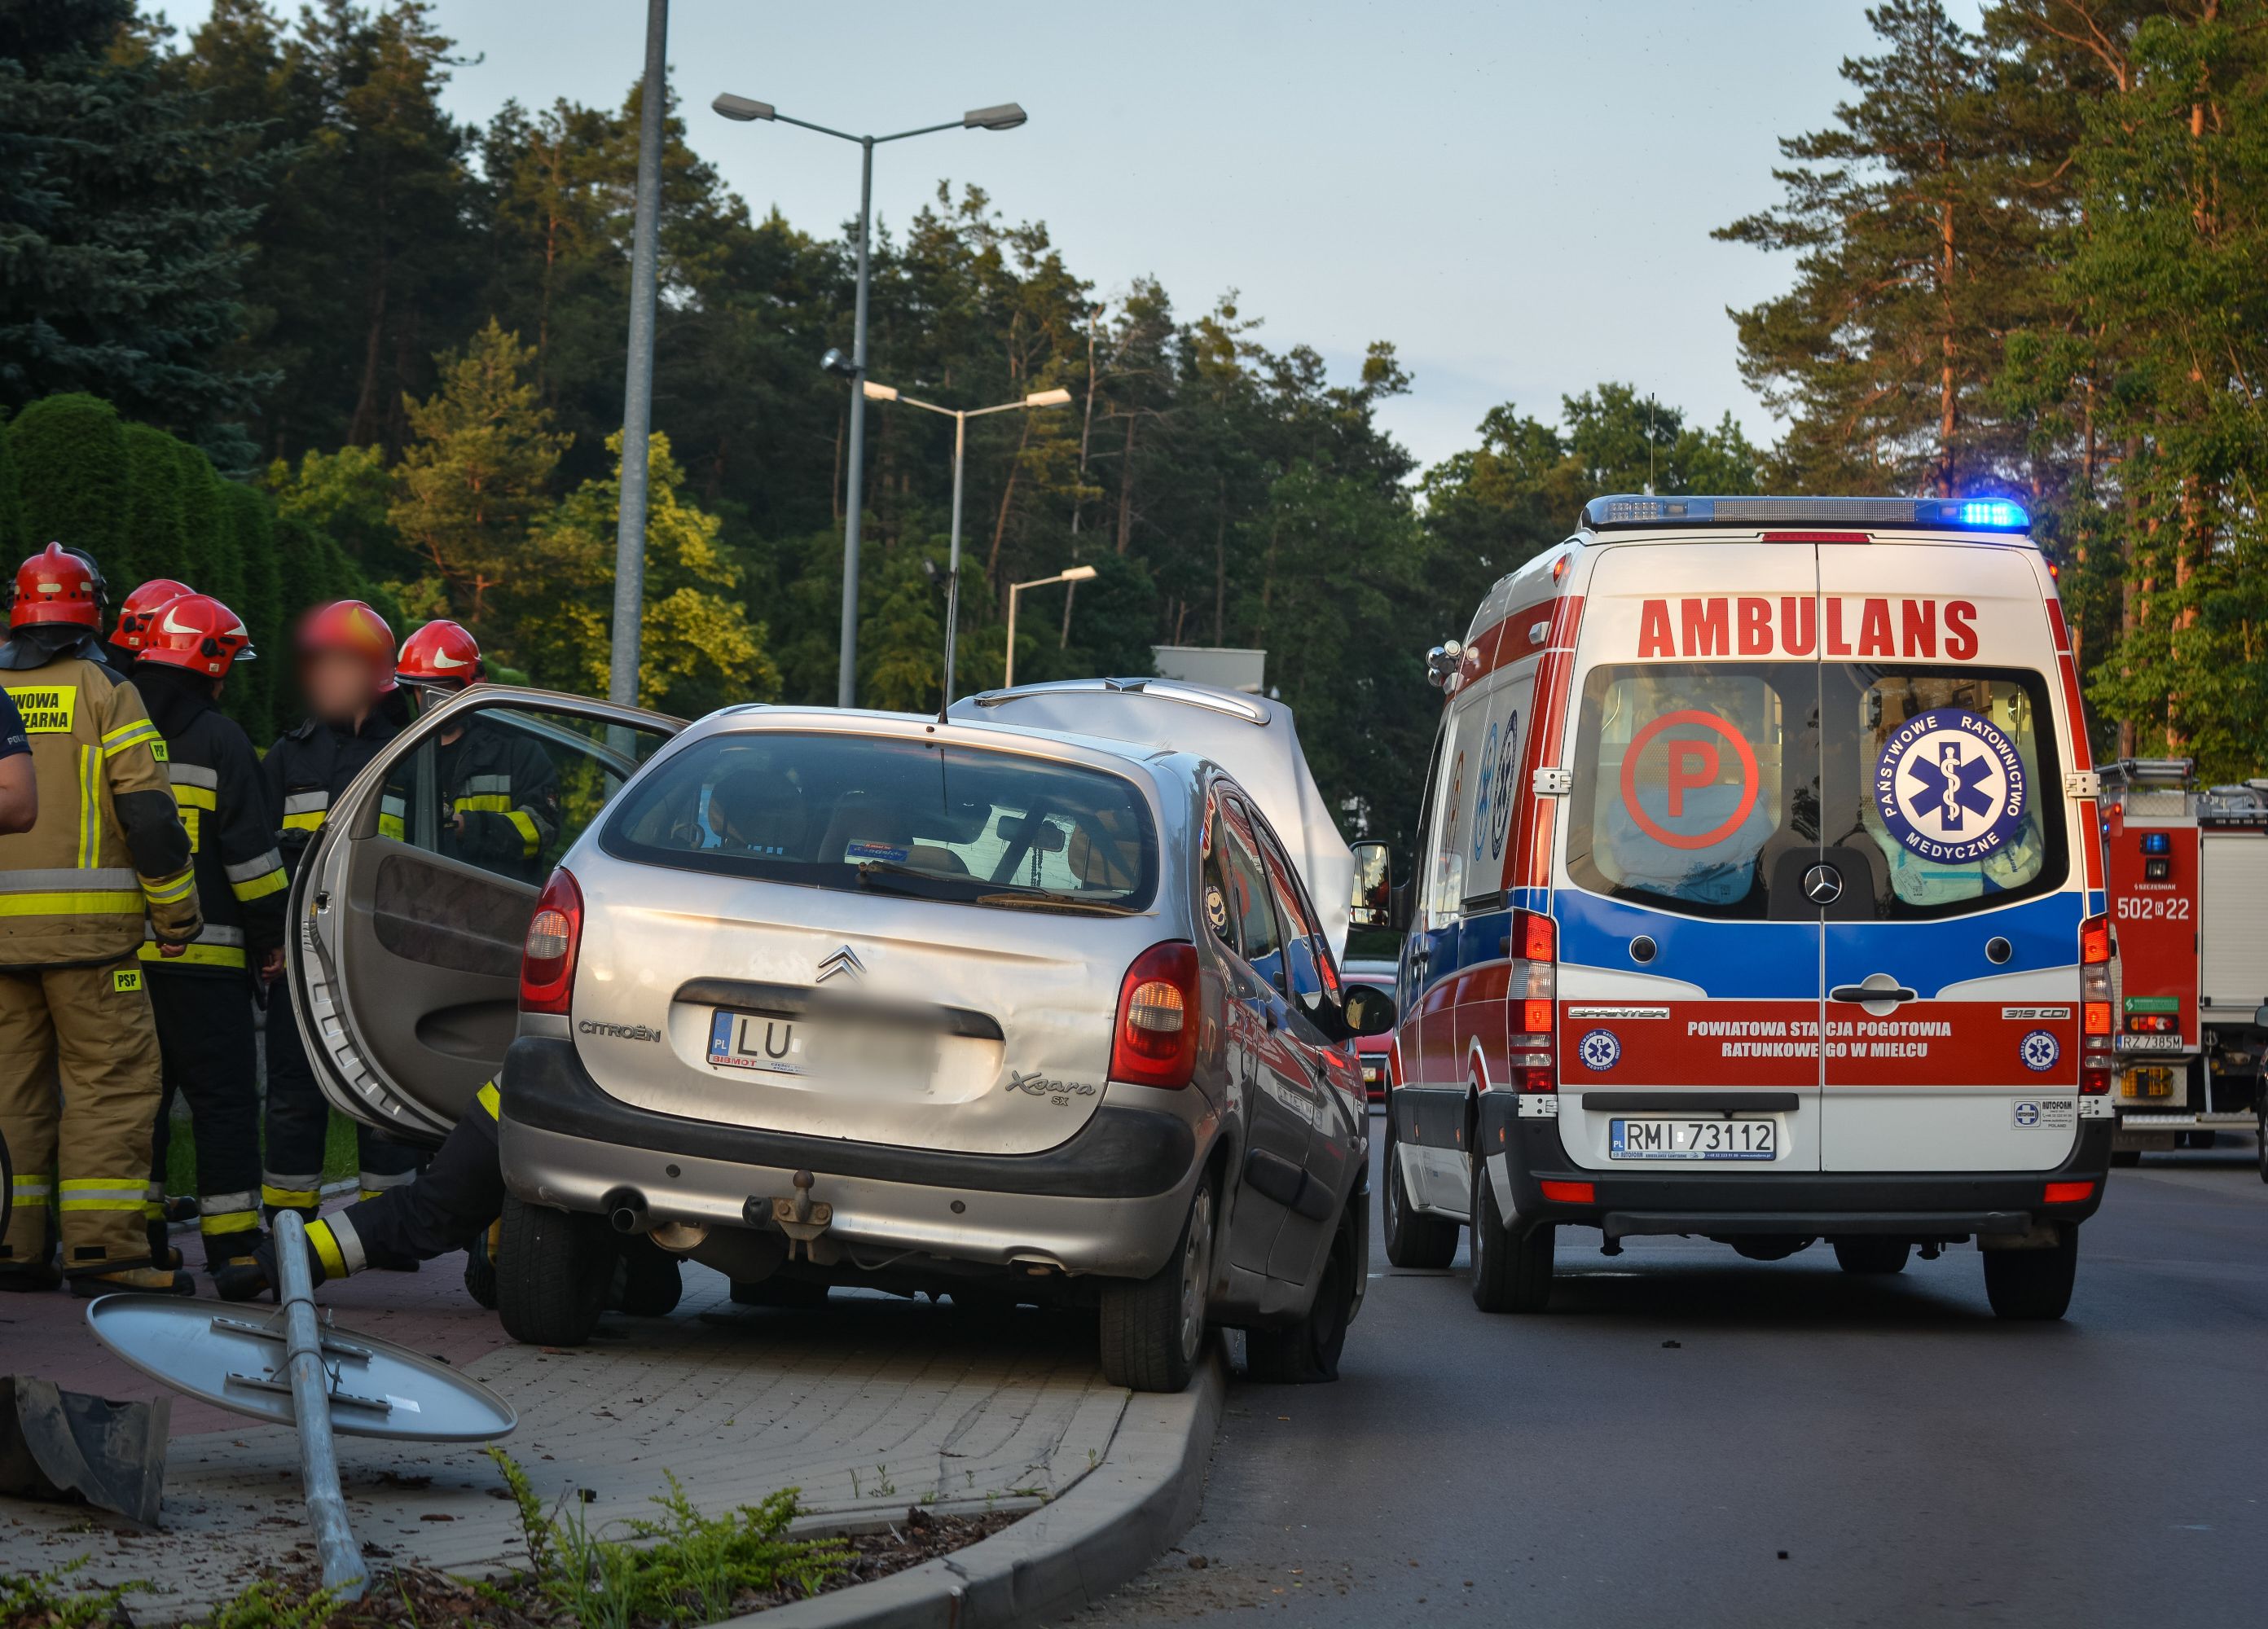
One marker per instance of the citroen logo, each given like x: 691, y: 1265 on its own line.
x: 843, y: 961
x: 1823, y: 884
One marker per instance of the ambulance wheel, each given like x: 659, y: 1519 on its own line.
x: 2032, y: 1284
x: 562, y: 1266
x: 2126, y: 1157
x: 1413, y: 1239
x: 1509, y: 1274
x: 1871, y: 1253
x: 2262, y: 1119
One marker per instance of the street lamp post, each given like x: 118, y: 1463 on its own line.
x: 960, y: 417
x: 1075, y: 574
x: 1006, y: 116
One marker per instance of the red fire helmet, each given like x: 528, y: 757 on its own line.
x: 351, y: 625
x: 56, y: 585
x: 197, y: 632
x: 442, y: 652
x: 142, y: 605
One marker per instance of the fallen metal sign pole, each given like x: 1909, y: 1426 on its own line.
x: 230, y: 1360
x: 343, y: 1572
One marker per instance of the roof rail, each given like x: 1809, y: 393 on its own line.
x: 1628, y: 509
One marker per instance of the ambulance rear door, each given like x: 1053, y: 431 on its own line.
x: 1689, y: 952
x: 1952, y: 950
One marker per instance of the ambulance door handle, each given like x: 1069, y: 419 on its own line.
x: 1862, y: 994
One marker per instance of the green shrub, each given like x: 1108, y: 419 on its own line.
x: 151, y: 542
x: 210, y: 540
x: 72, y: 473
x: 252, y: 686
x: 12, y: 519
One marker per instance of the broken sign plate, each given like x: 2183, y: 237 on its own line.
x: 233, y: 1357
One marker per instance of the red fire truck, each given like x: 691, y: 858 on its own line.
x: 2188, y: 903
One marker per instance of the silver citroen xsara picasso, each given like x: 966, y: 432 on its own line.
x: 825, y: 998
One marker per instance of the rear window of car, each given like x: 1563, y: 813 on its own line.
x: 872, y: 814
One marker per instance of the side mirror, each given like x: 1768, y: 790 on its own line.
x: 1369, y: 1010
x: 1371, y: 904
x: 2260, y: 1018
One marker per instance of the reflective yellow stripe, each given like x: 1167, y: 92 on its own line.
x: 530, y: 838
x: 485, y: 803
x: 90, y: 805
x: 489, y: 1099
x: 92, y: 903
x: 195, y: 798
x: 391, y: 826
x: 134, y: 734
x: 229, y: 1222
x: 287, y: 1199
x: 267, y: 883
x: 306, y: 820
x: 168, y: 890
x: 327, y: 1249
x: 105, y: 1193
x: 195, y: 955
x: 154, y: 1209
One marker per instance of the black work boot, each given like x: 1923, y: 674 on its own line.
x: 143, y: 1276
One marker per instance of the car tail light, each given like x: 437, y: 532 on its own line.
x: 2068, y: 1193
x: 2095, y: 949
x: 1533, y: 994
x: 1155, y: 1043
x: 1569, y: 1192
x: 547, y: 956
x: 2152, y: 1023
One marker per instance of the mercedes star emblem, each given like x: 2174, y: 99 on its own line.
x: 1823, y: 884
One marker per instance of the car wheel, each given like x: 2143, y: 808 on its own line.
x: 481, y: 1271
x: 652, y: 1280
x: 562, y: 1266
x: 2032, y: 1283
x: 2125, y: 1156
x: 1307, y: 1352
x: 1153, y: 1328
x: 795, y: 1294
x: 1509, y: 1274
x: 1871, y: 1253
x: 1413, y: 1238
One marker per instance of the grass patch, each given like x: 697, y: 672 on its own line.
x: 341, y: 1159
x: 677, y: 1570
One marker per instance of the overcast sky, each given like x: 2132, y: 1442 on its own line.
x: 1518, y: 194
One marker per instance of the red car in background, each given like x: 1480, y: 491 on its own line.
x: 1370, y: 1051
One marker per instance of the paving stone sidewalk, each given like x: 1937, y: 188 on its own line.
x: 868, y: 1405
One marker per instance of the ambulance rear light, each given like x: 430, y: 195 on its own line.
x: 2095, y: 949
x: 1569, y: 1192
x: 1532, y: 991
x: 1624, y: 510
x: 2068, y: 1193
x: 2096, y: 1071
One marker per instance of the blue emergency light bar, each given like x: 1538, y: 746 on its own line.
x: 1854, y: 514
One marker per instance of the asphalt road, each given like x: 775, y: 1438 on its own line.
x: 1688, y: 1438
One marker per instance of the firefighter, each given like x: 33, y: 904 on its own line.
x: 106, y: 853
x: 346, y: 669
x: 499, y: 791
x: 203, y: 997
x: 135, y: 612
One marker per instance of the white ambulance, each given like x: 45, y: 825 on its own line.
x: 1760, y: 900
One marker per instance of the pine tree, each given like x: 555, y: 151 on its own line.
x: 121, y: 203
x: 251, y: 687
x: 12, y: 504
x: 1917, y: 247
x: 71, y: 469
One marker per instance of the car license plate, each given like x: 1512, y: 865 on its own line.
x: 1693, y: 1139
x: 772, y: 1045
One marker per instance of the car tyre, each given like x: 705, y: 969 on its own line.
x: 562, y: 1266
x: 1306, y: 1353
x: 1509, y: 1274
x: 1413, y: 1238
x: 652, y: 1280
x: 1153, y: 1329
x: 2032, y: 1284
x: 1871, y: 1253
x: 481, y: 1271
x: 2260, y: 1116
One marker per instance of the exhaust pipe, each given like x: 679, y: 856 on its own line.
x: 626, y: 1209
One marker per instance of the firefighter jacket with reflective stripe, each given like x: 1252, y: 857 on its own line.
x: 311, y: 767
x: 506, y: 791
x: 223, y: 802
x: 107, y: 849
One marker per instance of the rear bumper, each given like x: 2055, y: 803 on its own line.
x: 1528, y: 1154
x: 1110, y: 1200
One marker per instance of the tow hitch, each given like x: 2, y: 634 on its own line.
x: 802, y: 1218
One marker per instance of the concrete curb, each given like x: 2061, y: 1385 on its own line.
x: 1111, y: 1523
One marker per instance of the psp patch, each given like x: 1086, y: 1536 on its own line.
x: 126, y: 979
x: 1951, y: 787
x: 2039, y: 1051
x: 1600, y: 1050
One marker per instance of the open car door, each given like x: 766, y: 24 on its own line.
x: 410, y: 904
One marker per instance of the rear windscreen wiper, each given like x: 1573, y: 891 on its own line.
x: 1048, y: 899
x: 887, y: 875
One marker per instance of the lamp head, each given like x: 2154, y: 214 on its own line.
x: 879, y: 392
x: 836, y: 362
x: 1079, y: 574
x: 747, y: 109
x: 1006, y: 116
x: 1058, y: 398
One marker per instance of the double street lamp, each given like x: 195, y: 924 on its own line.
x: 1006, y: 116
x: 1074, y: 574
x: 960, y: 416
